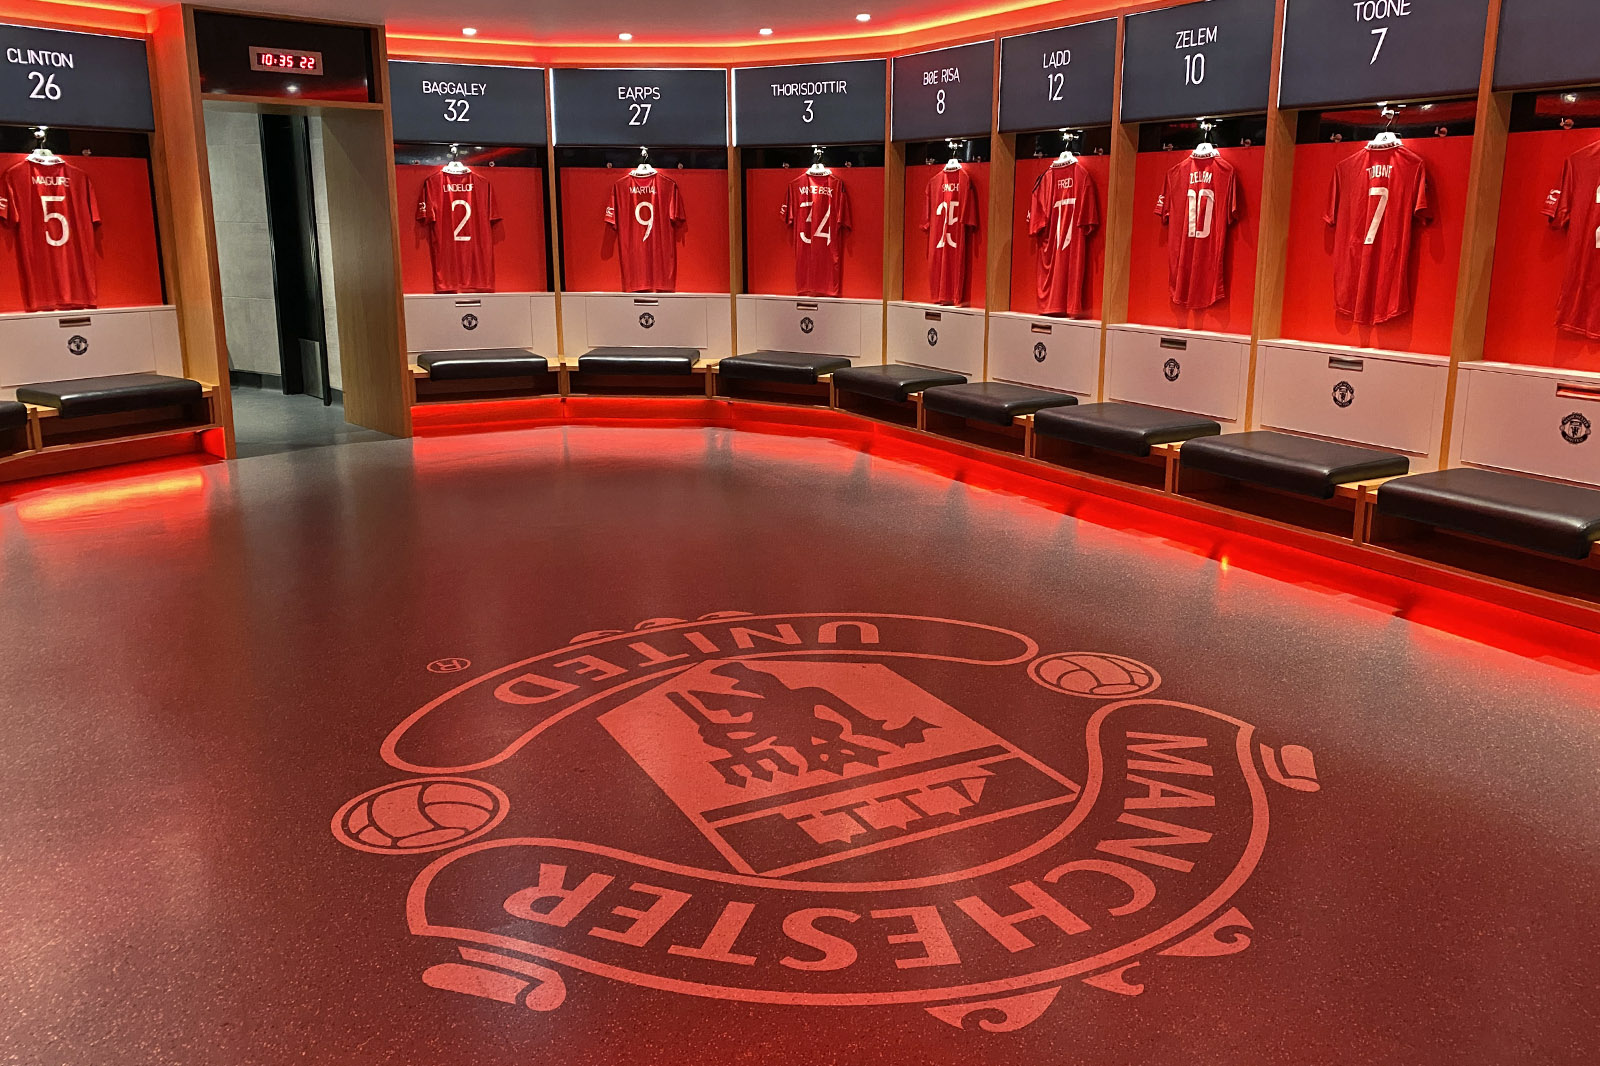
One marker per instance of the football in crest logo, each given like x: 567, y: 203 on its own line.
x: 822, y: 812
x: 807, y: 325
x: 78, y: 344
x: 1576, y: 428
x: 647, y: 320
x: 933, y: 337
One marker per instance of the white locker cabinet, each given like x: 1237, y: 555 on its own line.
x: 1050, y: 353
x: 655, y: 320
x: 844, y: 327
x: 456, y: 323
x: 60, y: 345
x: 1391, y: 400
x: 1183, y: 370
x: 944, y: 338
x: 1532, y: 420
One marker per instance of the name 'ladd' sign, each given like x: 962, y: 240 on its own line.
x: 812, y: 103
x: 56, y: 78
x: 1197, y: 60
x: 438, y: 102
x: 1056, y: 78
x: 678, y: 107
x: 944, y: 93
x: 1351, y: 51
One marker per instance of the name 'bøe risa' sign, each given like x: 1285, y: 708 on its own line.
x: 944, y: 93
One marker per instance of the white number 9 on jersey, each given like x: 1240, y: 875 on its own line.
x: 645, y: 214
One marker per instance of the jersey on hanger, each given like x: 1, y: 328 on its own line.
x: 1062, y: 213
x: 1376, y: 196
x: 52, y: 207
x: 460, y: 211
x: 1575, y: 204
x: 817, y: 211
x: 646, y: 212
x: 1205, y: 195
x: 949, y: 217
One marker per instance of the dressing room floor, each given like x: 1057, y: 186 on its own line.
x: 660, y: 746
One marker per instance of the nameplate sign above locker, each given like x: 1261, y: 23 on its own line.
x: 810, y: 103
x: 1547, y: 43
x: 444, y: 102
x: 945, y: 93
x: 56, y: 78
x: 654, y: 107
x: 1057, y: 78
x: 1198, y: 60
x: 1356, y: 51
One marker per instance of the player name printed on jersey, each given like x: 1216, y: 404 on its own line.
x: 816, y: 209
x: 1574, y: 205
x: 1063, y: 212
x: 460, y: 212
x: 1205, y: 194
x: 53, y: 210
x: 1374, y: 199
x: 949, y: 217
x: 646, y: 212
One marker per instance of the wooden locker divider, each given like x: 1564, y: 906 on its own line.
x: 736, y: 280
x: 894, y: 220
x: 1002, y: 205
x: 183, y: 196
x: 1118, y: 212
x: 1484, y: 187
x: 1277, y: 195
x: 552, y: 227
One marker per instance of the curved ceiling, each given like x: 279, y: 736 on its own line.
x: 586, y: 30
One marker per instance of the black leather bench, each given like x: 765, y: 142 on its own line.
x: 994, y: 402
x: 1124, y: 428
x: 1525, y: 512
x: 894, y: 383
x: 787, y: 368
x: 618, y: 361
x: 13, y: 427
x: 482, y: 363
x: 1301, y: 466
x: 113, y: 395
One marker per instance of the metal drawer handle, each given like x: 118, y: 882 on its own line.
x: 1040, y: 327
x: 1175, y: 344
x: 1579, y: 392
x: 933, y: 316
x: 74, y: 323
x: 469, y: 303
x: 647, y: 303
x: 1345, y: 362
x: 806, y: 307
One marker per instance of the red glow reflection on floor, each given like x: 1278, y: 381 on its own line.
x: 1478, y: 610
x: 107, y: 493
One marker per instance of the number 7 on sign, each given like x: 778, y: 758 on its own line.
x: 1382, y: 34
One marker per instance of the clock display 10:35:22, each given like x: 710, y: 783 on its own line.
x: 285, y: 60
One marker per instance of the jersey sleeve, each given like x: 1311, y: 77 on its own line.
x: 1422, y: 209
x: 425, y: 211
x: 1088, y: 205
x: 790, y: 209
x: 841, y: 214
x: 675, y: 211
x: 1558, y: 205
x: 969, y: 210
x: 1163, y: 208
x: 612, y: 213
x: 10, y: 207
x: 927, y: 207
x: 493, y: 204
x: 1038, y: 214
x: 1235, y: 199
x: 93, y: 201
x: 1331, y: 215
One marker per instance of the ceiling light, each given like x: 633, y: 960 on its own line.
x: 765, y: 31
x: 624, y: 36
x: 469, y: 31
x: 863, y: 17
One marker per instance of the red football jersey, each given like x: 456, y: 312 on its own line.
x: 1575, y: 203
x: 949, y: 215
x: 1063, y: 211
x: 1206, y: 192
x: 53, y: 209
x: 460, y: 212
x: 646, y: 212
x: 817, y: 210
x: 1376, y: 196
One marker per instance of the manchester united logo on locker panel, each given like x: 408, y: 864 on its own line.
x: 1576, y: 428
x: 1039, y: 352
x: 1344, y: 394
x: 933, y: 338
x: 831, y: 815
x: 1171, y: 369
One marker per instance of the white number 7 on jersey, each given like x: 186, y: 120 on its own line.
x: 1382, y: 193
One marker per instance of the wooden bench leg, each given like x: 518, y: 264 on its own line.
x: 564, y: 382
x: 711, y: 383
x: 922, y: 413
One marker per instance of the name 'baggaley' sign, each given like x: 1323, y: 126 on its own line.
x: 57, y: 78
x: 440, y: 102
x: 655, y: 107
x: 1057, y: 78
x: 1353, y: 51
x: 944, y: 93
x: 810, y: 103
x: 1198, y: 60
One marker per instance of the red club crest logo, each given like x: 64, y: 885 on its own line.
x: 849, y: 811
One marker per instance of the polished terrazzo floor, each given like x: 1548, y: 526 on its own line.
x: 664, y: 746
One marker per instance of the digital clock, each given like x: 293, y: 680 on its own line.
x: 285, y: 60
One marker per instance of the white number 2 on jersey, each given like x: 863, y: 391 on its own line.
x: 644, y: 213
x: 466, y: 216
x: 1202, y: 212
x: 951, y: 210
x: 1382, y: 193
x: 55, y: 216
x: 821, y: 228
